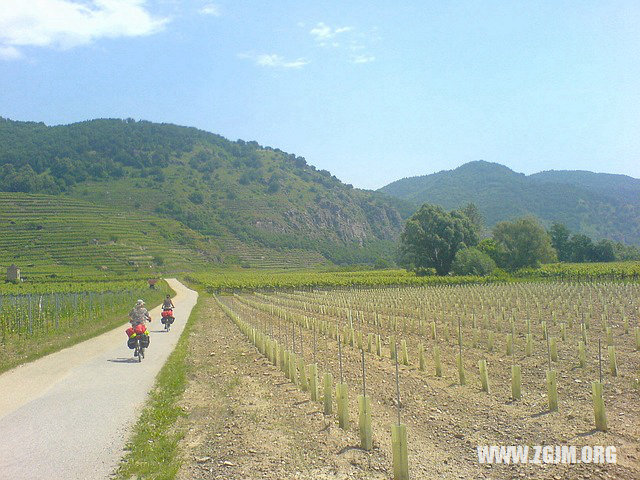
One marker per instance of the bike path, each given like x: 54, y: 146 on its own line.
x: 69, y: 414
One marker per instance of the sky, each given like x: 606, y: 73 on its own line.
x: 372, y: 91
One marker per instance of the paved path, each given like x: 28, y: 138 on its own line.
x: 69, y: 414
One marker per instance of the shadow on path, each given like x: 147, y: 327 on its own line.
x: 123, y: 360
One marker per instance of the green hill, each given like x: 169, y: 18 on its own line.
x: 598, y: 205
x: 244, y: 203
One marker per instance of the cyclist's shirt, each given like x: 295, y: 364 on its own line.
x: 138, y: 315
x: 167, y: 303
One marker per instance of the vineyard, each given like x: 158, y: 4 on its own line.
x: 51, y: 235
x: 36, y: 319
x: 584, y: 271
x: 425, y: 374
x: 226, y: 281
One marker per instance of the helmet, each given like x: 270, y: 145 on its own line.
x: 168, y: 296
x: 140, y: 303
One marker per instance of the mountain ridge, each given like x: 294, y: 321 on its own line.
x: 596, y: 204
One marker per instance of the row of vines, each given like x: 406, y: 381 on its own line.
x: 231, y: 281
x: 537, y: 354
x: 35, y: 323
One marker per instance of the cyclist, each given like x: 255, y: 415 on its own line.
x: 139, y: 314
x: 167, y: 304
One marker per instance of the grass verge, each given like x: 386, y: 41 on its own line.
x: 153, y: 449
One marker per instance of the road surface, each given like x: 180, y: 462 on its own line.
x: 69, y: 414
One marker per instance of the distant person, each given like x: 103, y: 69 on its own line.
x: 167, y: 304
x: 139, y: 314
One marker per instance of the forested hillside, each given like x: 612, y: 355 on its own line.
x: 250, y: 201
x: 595, y: 204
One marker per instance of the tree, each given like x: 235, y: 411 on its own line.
x: 432, y: 237
x: 474, y: 216
x: 471, y: 261
x: 526, y: 243
x: 604, y: 251
x: 581, y: 248
x: 496, y: 252
x: 560, y: 240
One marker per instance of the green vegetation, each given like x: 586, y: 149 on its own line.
x: 227, y: 281
x: 39, y: 321
x: 439, y: 241
x: 152, y: 452
x: 597, y: 205
x: 522, y: 243
x: 580, y: 248
x: 584, y: 271
x: 432, y: 237
x: 239, y: 197
x: 231, y: 281
x: 471, y: 261
x: 51, y: 236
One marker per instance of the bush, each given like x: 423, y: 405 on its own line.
x: 471, y: 261
x: 196, y: 198
x: 426, y: 272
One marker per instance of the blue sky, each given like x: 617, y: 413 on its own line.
x: 372, y: 91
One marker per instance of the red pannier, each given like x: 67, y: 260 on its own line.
x: 167, y: 313
x: 140, y: 328
x: 129, y: 331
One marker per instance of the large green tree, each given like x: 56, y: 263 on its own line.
x: 560, y: 235
x: 525, y: 243
x: 432, y: 237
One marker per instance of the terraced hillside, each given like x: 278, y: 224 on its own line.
x: 45, y: 234
x: 231, y: 193
x: 256, y: 256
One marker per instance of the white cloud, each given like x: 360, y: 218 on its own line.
x: 363, y: 58
x: 323, y: 33
x: 9, y: 53
x: 274, y: 60
x: 69, y: 23
x: 211, y: 9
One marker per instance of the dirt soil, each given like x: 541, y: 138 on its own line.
x: 248, y: 421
